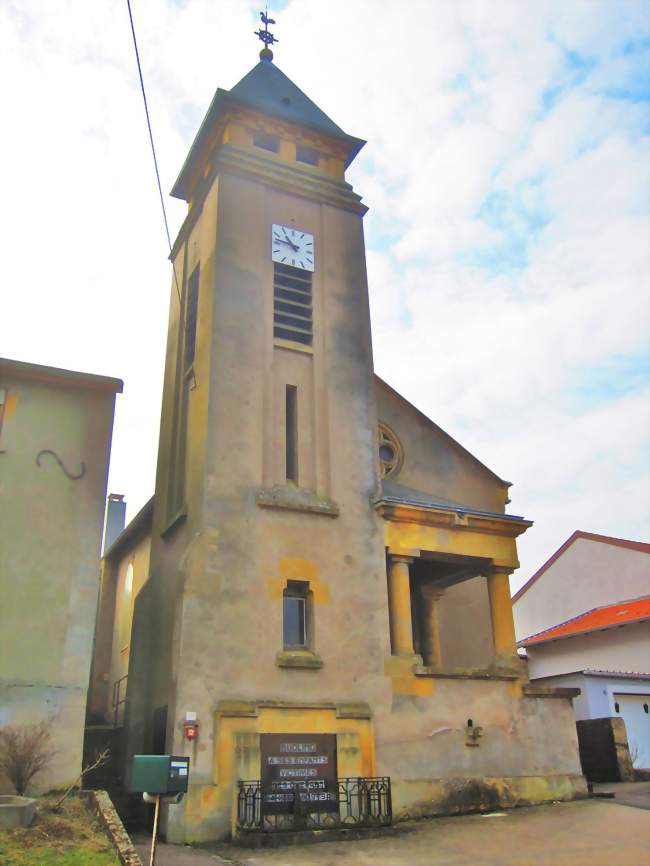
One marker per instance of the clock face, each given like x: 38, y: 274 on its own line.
x: 291, y: 246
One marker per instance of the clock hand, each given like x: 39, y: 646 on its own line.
x: 294, y: 248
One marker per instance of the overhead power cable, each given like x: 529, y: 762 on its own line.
x: 153, y: 148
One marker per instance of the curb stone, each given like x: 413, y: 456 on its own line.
x: 102, y: 805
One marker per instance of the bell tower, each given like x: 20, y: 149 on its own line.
x: 274, y: 309
x: 267, y: 567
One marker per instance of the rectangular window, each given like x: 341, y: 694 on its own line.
x: 191, y: 311
x: 292, y: 310
x: 295, y: 614
x: 291, y: 433
x: 308, y: 155
x: 266, y: 141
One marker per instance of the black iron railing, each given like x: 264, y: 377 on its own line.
x: 353, y: 802
x: 119, y: 700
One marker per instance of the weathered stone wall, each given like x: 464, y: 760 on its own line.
x: 55, y: 442
x: 102, y: 806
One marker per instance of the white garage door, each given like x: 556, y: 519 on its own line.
x: 635, y: 709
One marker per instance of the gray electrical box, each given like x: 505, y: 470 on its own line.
x: 159, y: 774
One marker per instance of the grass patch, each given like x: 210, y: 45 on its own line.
x: 71, y: 837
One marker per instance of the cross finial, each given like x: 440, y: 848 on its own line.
x: 266, y: 37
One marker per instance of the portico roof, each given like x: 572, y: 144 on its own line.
x: 415, y: 527
x: 391, y: 492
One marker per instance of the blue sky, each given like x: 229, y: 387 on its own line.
x: 507, y: 176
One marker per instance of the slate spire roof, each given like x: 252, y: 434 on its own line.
x: 268, y: 90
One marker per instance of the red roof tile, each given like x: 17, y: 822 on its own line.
x: 598, y: 618
x: 641, y: 546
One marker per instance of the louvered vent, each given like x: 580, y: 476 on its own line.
x: 292, y: 304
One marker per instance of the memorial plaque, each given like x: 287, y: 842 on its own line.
x: 298, y: 772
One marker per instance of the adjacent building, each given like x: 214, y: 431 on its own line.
x: 584, y: 620
x: 55, y: 437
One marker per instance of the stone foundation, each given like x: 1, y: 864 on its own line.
x: 434, y: 797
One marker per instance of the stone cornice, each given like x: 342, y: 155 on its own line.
x: 466, y: 673
x: 442, y: 518
x: 558, y: 692
x: 247, y: 163
x: 244, y: 708
x: 296, y: 499
x: 242, y: 162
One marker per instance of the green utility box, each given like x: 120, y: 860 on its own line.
x: 159, y: 774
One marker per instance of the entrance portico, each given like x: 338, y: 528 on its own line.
x: 430, y: 550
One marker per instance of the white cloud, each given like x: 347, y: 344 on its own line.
x: 462, y: 103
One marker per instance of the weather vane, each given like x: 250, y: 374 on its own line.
x: 266, y: 37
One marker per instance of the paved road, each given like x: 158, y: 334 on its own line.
x: 599, y: 832
x: 627, y: 793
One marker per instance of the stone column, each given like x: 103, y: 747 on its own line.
x: 503, y: 625
x: 431, y: 595
x: 399, y: 604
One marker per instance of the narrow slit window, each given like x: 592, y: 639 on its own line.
x: 295, y: 615
x: 266, y: 141
x: 292, y: 304
x: 3, y: 403
x: 191, y: 312
x: 291, y: 433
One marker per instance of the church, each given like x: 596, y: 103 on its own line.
x: 318, y: 591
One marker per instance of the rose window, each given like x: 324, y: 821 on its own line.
x: 390, y: 451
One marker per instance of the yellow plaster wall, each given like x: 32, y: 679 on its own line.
x: 153, y: 669
x: 407, y: 537
x: 242, y: 126
x: 237, y: 756
x: 138, y: 557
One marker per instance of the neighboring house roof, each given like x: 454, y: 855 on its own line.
x: 640, y: 546
x: 267, y: 89
x: 27, y: 370
x: 630, y: 675
x: 593, y: 672
x: 597, y: 619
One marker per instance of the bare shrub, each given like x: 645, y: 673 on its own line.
x: 25, y: 750
x: 101, y: 758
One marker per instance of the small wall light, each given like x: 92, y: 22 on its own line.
x: 472, y: 733
x: 190, y: 727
